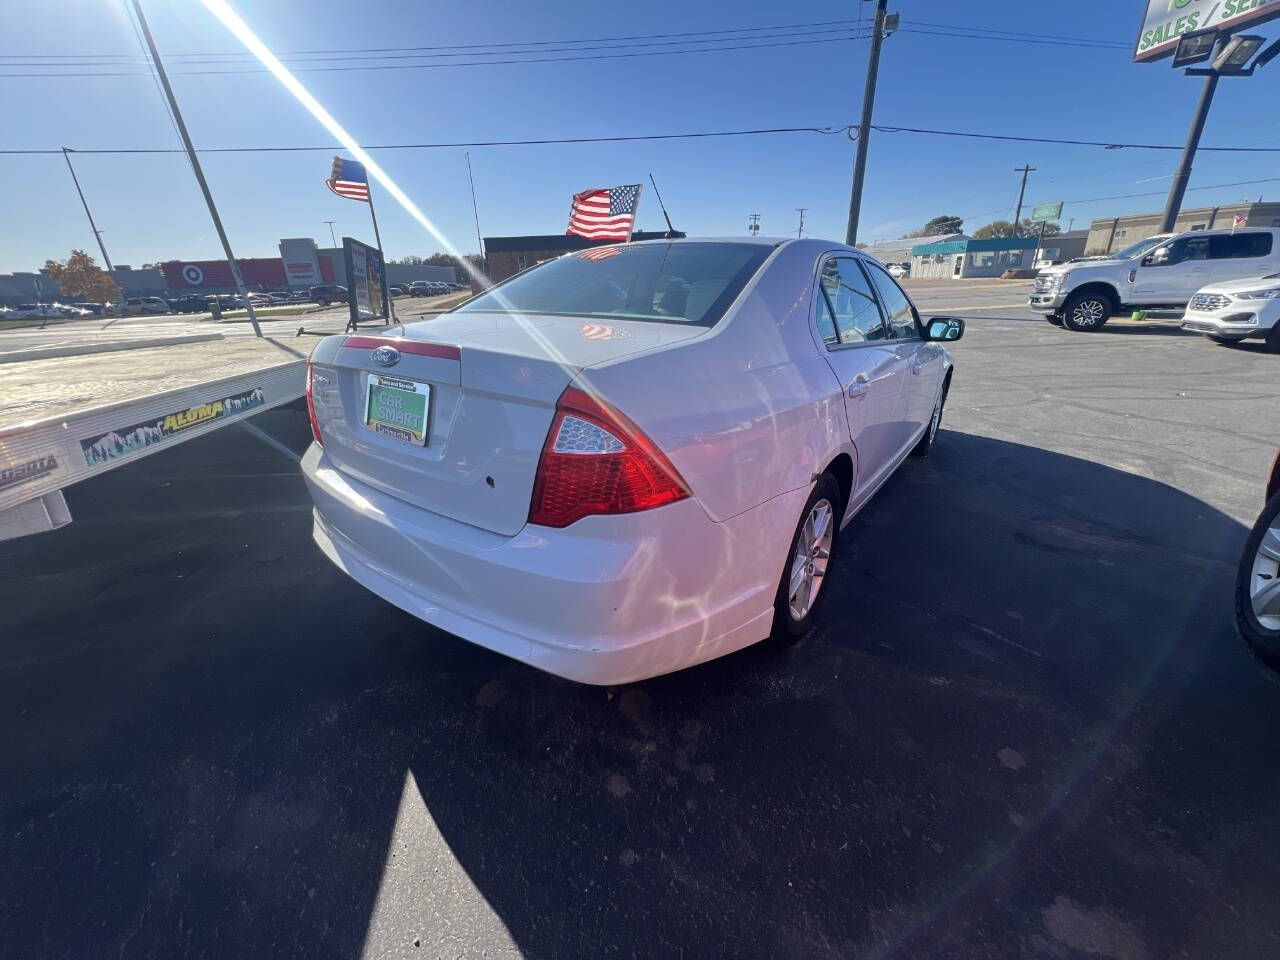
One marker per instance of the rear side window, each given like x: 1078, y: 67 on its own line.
x: 902, y: 316
x: 1239, y: 245
x: 848, y: 294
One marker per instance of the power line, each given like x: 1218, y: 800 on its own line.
x: 328, y: 148
x: 463, y: 46
x: 826, y: 130
x: 464, y: 63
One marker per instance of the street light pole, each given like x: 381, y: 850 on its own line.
x: 864, y: 125
x: 332, y: 237
x: 97, y: 234
x: 195, y: 165
x: 800, y: 229
x: 1179, y: 187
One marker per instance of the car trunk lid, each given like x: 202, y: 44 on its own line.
x: 491, y: 384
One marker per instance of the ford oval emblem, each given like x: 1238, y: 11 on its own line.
x: 386, y: 356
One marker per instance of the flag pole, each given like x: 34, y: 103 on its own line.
x: 386, y: 287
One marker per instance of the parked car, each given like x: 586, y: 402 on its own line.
x: 35, y: 311
x: 1237, y: 310
x: 899, y: 270
x: 146, y: 305
x: 420, y: 288
x: 1258, y: 578
x: 520, y: 471
x: 190, y: 303
x: 300, y: 296
x: 327, y: 293
x: 398, y: 289
x: 1083, y: 296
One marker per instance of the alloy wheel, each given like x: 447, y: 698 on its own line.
x: 1088, y: 312
x: 809, y: 562
x: 1264, y: 582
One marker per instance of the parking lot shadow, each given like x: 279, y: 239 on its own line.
x: 1024, y: 727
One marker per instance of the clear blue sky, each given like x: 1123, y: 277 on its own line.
x: 150, y: 209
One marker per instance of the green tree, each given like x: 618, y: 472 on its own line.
x: 80, y: 276
x: 944, y: 224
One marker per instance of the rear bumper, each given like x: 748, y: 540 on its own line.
x: 606, y: 600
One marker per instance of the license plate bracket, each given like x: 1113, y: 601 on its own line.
x: 398, y: 408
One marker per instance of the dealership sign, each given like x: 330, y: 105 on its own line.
x: 1167, y: 20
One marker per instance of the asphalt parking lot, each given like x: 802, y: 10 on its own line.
x: 1024, y: 728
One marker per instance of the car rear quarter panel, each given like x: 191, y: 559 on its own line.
x: 749, y: 411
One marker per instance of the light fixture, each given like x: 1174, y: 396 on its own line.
x: 1235, y: 53
x: 1194, y: 47
x: 1267, y: 55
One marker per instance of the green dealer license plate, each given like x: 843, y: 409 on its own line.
x: 398, y: 408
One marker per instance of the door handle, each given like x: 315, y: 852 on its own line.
x: 861, y: 384
x: 915, y: 367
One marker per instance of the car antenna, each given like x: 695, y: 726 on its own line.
x: 670, y: 228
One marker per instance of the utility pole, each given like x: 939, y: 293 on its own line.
x: 800, y: 229
x: 1179, y: 188
x: 97, y: 234
x: 195, y: 165
x: 475, y: 211
x: 754, y: 226
x: 1017, y: 217
x: 864, y: 126
x: 332, y: 237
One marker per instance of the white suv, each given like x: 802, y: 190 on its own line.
x: 1083, y: 295
x: 1235, y: 310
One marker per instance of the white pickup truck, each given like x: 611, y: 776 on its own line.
x: 1083, y: 295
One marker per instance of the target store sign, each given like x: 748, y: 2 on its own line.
x: 192, y: 274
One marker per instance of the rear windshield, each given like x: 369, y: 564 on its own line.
x: 667, y: 282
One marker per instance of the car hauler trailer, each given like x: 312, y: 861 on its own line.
x: 64, y: 419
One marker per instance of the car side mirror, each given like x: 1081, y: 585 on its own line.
x: 1148, y: 260
x: 944, y: 329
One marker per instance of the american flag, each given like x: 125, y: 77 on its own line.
x: 1239, y: 220
x: 604, y: 214
x: 349, y: 179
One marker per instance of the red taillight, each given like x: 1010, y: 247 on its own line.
x: 595, y: 460
x: 311, y: 408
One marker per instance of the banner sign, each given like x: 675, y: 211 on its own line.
x: 1167, y: 20
x: 138, y: 436
x: 366, y: 281
x: 1047, y: 211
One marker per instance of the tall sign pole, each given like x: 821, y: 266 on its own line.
x: 1022, y: 192
x: 475, y: 210
x: 864, y: 126
x: 97, y: 234
x: 1178, y: 189
x: 195, y: 165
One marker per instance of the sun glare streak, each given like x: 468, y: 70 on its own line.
x: 233, y: 22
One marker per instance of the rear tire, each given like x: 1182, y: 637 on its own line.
x: 804, y: 574
x: 1260, y: 566
x: 1086, y: 312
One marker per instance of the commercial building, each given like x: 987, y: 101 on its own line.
x: 301, y: 264
x: 899, y: 251
x: 1109, y: 234
x: 1062, y: 247
x: 967, y: 257
x: 507, y: 256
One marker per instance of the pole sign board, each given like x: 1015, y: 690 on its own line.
x: 1047, y: 211
x: 366, y: 281
x: 1167, y: 20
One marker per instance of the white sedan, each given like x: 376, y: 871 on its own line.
x: 1230, y: 311
x: 626, y: 460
